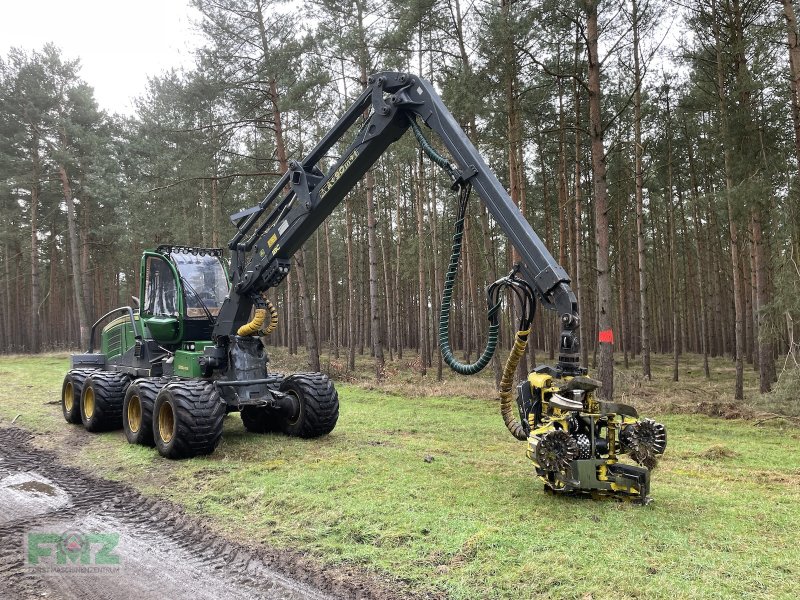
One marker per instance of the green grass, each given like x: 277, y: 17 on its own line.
x: 474, y: 522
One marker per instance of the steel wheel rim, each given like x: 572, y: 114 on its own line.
x: 88, y: 402
x: 69, y: 398
x: 294, y: 418
x: 166, y: 422
x: 134, y: 414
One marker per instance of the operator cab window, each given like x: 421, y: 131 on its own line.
x: 161, y: 289
x: 205, y: 284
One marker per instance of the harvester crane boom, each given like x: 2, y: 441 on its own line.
x: 271, y: 232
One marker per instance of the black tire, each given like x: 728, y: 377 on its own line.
x: 137, y: 410
x: 187, y: 419
x: 101, y: 400
x: 260, y: 420
x: 71, y: 394
x: 317, y: 407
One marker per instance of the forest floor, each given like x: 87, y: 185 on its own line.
x: 420, y: 491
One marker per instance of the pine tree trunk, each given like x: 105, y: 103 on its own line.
x: 765, y: 358
x: 317, y: 293
x: 334, y: 309
x: 604, y: 296
x: 312, y: 345
x: 387, y: 290
x: 8, y: 329
x: 294, y: 309
x: 673, y: 251
x: 351, y: 316
x: 699, y: 248
x: 77, y: 275
x: 423, y: 292
x: 794, y: 71
x: 85, y: 233
x: 374, y: 296
x: 35, y: 323
x: 732, y: 225
x: 644, y: 325
x: 397, y: 308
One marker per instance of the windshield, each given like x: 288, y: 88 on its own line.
x: 203, y: 279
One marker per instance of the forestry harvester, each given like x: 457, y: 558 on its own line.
x: 169, y: 370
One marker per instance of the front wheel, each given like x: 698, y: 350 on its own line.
x: 137, y: 410
x: 315, y: 405
x: 187, y: 419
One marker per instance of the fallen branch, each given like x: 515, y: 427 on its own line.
x: 773, y: 416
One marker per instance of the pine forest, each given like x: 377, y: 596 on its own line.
x: 654, y: 146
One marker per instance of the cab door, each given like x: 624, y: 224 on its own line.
x: 162, y: 298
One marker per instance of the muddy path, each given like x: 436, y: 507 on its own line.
x: 67, y: 534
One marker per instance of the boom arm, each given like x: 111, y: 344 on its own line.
x: 271, y: 232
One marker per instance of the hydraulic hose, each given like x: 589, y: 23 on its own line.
x: 507, y: 385
x: 428, y: 149
x: 273, y: 318
x: 253, y: 326
x: 262, y: 305
x: 447, y: 296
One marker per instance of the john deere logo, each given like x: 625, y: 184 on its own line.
x: 87, y: 552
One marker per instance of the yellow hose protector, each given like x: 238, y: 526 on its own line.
x: 507, y: 385
x: 273, y: 319
x: 253, y: 326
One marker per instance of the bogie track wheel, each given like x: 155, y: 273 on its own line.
x: 101, y: 400
x: 315, y: 405
x: 187, y: 419
x: 71, y: 394
x: 137, y: 410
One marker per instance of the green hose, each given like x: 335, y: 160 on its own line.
x: 444, y: 314
x: 428, y: 149
x: 452, y: 270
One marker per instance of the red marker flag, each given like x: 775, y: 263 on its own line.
x: 606, y: 336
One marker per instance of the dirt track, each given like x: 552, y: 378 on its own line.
x: 160, y: 552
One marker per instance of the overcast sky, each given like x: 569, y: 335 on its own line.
x: 119, y: 43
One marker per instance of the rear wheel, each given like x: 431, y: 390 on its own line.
x: 137, y: 410
x: 316, y: 405
x: 71, y: 394
x: 257, y: 419
x: 101, y: 400
x: 187, y: 419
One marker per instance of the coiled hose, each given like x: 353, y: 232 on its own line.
x: 273, y: 318
x: 507, y: 385
x: 263, y: 305
x: 447, y: 297
x: 464, y: 190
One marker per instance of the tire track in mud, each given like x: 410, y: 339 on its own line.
x: 162, y: 551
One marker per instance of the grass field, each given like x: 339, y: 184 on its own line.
x: 474, y: 522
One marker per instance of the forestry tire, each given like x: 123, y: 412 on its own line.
x: 137, y: 410
x: 317, y: 405
x: 187, y: 419
x: 71, y: 394
x: 102, y: 395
